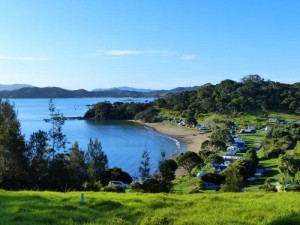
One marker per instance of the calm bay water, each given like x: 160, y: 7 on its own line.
x: 122, y: 141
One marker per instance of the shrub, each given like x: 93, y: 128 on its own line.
x: 267, y: 186
x: 295, y: 188
x: 155, y: 186
x: 114, y: 188
x: 92, y: 186
x: 136, y: 186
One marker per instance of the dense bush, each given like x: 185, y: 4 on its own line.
x: 229, y: 97
x: 114, y: 188
x: 280, y: 139
x: 120, y: 111
x: 151, y: 185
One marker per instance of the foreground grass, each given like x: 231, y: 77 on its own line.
x: 131, y: 208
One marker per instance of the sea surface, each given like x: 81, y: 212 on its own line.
x: 122, y: 141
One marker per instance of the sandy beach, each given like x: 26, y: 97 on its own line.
x: 192, y: 138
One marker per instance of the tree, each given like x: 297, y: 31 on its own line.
x: 56, y: 135
x: 144, y: 168
x: 213, y: 146
x: 97, y: 160
x: 167, y: 169
x: 77, y: 167
x: 189, y: 160
x: 59, y: 177
x: 116, y: 173
x: 252, y: 156
x: 39, y: 159
x: 233, y: 180
x: 289, y: 166
x: 221, y: 135
x: 191, y: 121
x: 13, y: 163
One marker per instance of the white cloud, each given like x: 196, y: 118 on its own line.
x: 161, y: 53
x: 139, y: 52
x: 22, y: 58
x: 188, y: 57
x: 123, y: 52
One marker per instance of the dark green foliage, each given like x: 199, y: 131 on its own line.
x: 149, y: 115
x: 136, y: 186
x: 245, y: 168
x: 56, y: 136
x: 144, y: 168
x: 114, y: 188
x: 38, y: 159
x: 167, y: 169
x: 58, y: 178
x: 213, y: 178
x: 97, y: 160
x: 289, y: 166
x: 155, y: 186
x: 116, y: 173
x: 220, y: 135
x: 233, y: 180
x: 295, y: 188
x: 268, y: 186
x: 228, y: 97
x: 191, y: 121
x: 252, y: 156
x: 122, y: 111
x: 13, y: 163
x: 213, y: 146
x: 279, y: 139
x: 189, y: 160
x: 92, y: 186
x: 77, y: 167
x: 210, y: 157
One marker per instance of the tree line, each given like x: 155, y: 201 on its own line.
x: 122, y: 111
x: 43, y: 163
x: 228, y: 97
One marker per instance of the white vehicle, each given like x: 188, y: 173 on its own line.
x: 119, y: 183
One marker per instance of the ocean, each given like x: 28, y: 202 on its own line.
x: 122, y: 141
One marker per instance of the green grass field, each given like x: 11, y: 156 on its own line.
x: 31, y: 208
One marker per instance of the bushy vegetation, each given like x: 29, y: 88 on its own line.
x: 279, y: 139
x: 122, y: 111
x: 231, y: 97
x: 43, y: 163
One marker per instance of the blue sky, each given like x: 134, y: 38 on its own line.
x: 147, y: 44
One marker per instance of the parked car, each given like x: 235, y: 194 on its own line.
x: 119, y: 183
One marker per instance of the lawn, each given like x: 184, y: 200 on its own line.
x: 253, y: 139
x: 32, y: 208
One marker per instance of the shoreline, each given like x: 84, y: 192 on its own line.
x: 191, y: 138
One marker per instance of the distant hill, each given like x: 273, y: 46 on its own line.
x: 47, y: 92
x: 11, y: 87
x: 55, y: 92
x: 142, y: 90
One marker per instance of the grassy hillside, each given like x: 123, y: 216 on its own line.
x: 131, y: 208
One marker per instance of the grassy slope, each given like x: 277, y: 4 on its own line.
x: 131, y: 208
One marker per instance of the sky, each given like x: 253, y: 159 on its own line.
x: 153, y: 44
